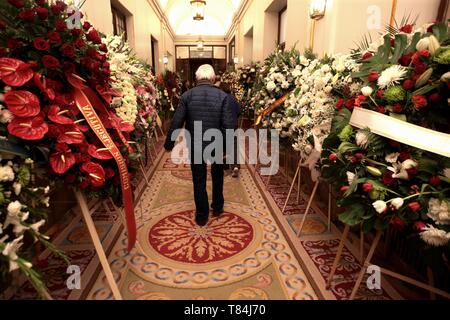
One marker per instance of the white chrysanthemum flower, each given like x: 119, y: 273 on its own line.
x: 439, y: 211
x: 367, y: 91
x: 391, y: 76
x: 271, y: 86
x: 362, y: 139
x: 6, y: 116
x: 6, y: 174
x: 435, y: 237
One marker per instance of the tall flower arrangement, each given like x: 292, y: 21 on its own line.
x: 306, y: 120
x: 276, y: 78
x: 134, y: 80
x: 169, y: 90
x: 43, y: 57
x: 383, y: 182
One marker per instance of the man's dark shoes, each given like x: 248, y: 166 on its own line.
x: 201, y: 220
x: 217, y: 213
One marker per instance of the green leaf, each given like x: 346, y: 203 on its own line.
x: 347, y: 147
x: 400, y: 44
x: 353, y: 215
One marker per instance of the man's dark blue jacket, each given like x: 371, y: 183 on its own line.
x: 207, y: 104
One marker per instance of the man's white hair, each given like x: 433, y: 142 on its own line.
x: 205, y: 72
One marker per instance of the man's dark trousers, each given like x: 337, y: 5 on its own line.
x: 199, y: 175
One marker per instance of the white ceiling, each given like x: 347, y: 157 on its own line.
x: 218, y: 17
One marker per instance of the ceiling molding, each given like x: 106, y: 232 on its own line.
x: 162, y: 17
x: 237, y: 18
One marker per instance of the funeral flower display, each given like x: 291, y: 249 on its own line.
x: 383, y: 182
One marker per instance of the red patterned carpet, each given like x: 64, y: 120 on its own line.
x: 320, y: 246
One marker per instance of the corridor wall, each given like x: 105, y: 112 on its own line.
x: 143, y: 22
x: 345, y: 23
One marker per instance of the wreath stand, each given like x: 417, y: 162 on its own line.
x: 298, y: 174
x: 367, y: 263
x: 81, y: 199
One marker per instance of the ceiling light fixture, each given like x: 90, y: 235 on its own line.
x: 198, y: 9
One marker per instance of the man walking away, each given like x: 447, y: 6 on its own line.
x: 208, y: 105
x: 236, y: 110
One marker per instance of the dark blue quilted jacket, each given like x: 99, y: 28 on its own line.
x: 205, y: 103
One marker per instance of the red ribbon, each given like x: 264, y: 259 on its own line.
x: 84, y: 97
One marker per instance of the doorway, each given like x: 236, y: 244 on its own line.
x: 195, y: 64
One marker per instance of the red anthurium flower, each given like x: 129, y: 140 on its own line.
x: 108, y: 93
x: 57, y: 115
x: 99, y: 153
x: 49, y: 93
x: 71, y: 135
x: 419, y: 226
x: 62, y: 161
x: 22, y: 103
x: 15, y: 73
x: 31, y: 129
x: 95, y: 174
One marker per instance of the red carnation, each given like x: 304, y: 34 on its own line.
x: 340, y: 104
x: 368, y: 187
x: 62, y: 161
x: 15, y: 73
x: 16, y: 3
x: 87, y: 26
x: 419, y: 102
x: 435, y: 181
x: 13, y: 44
x: 94, y: 37
x: 397, y: 108
x: 61, y: 25
x: 22, y: 103
x: 54, y: 37
x: 95, y: 174
x: 380, y: 94
x: 344, y: 189
x: 419, y: 226
x: 56, y: 115
x: 40, y: 2
x: 76, y: 32
x: 350, y: 104
x: 50, y: 62
x: 397, y: 223
x: 407, y: 28
x: 406, y: 59
x: 435, y: 98
x: 381, y: 109
x: 41, y: 44
x: 404, y: 155
x: 27, y: 15
x: 367, y: 55
x: 420, y: 68
x: 333, y: 157
x: 68, y: 50
x: 103, y: 48
x: 388, y: 180
x: 408, y: 84
x: 79, y: 43
x: 42, y: 13
x: 31, y: 129
x: 414, y: 206
x: 373, y: 76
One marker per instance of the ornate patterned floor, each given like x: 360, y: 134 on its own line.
x: 241, y: 255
